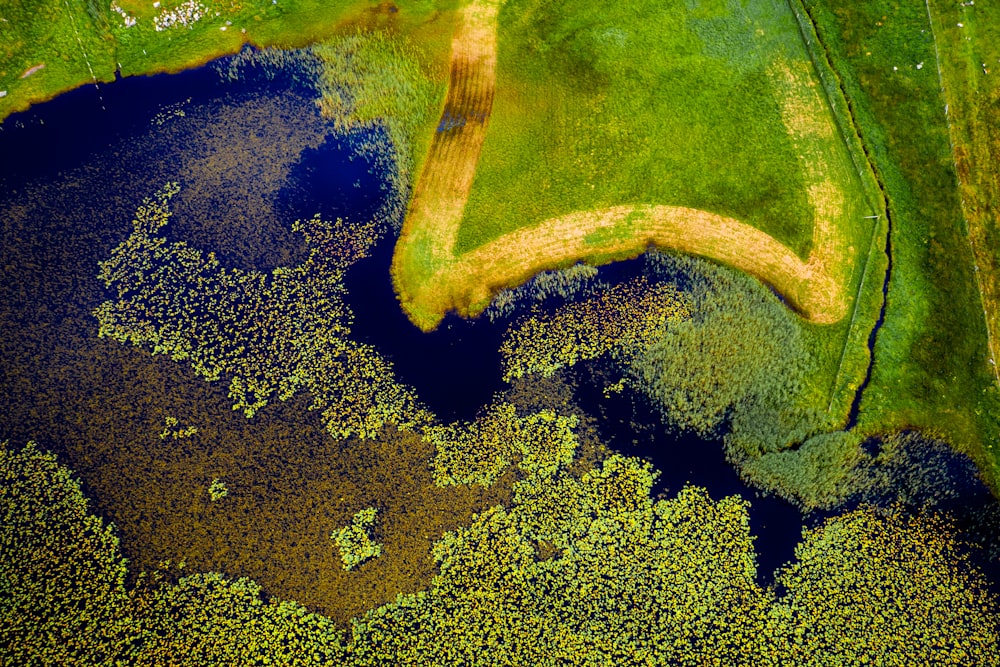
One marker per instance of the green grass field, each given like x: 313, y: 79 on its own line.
x: 640, y: 103
x: 774, y: 139
x: 931, y: 359
x: 730, y: 109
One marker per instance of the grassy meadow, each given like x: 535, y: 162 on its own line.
x: 732, y: 109
x: 931, y: 358
x: 640, y: 103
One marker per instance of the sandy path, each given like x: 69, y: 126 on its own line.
x: 430, y: 280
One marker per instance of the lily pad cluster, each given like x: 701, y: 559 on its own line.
x: 580, y: 570
x: 355, y: 540
x: 271, y: 334
x: 479, y: 452
x: 628, y: 318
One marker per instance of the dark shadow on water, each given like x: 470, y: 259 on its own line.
x: 455, y: 369
x: 336, y: 180
x: 64, y: 132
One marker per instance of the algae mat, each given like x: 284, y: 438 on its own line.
x: 433, y: 277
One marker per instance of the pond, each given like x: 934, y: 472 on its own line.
x: 252, y: 155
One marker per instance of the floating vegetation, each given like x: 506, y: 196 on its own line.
x: 886, y: 586
x: 273, y: 334
x: 61, y: 575
x: 579, y: 570
x: 579, y: 279
x: 625, y: 319
x: 590, y: 570
x: 217, y: 490
x: 480, y: 452
x: 171, y: 430
x: 355, y: 540
x: 207, y: 619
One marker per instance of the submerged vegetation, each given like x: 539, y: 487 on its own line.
x: 516, y: 537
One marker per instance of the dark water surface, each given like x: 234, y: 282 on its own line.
x: 456, y: 369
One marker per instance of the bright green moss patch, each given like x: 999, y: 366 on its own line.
x: 639, y: 103
x: 355, y: 540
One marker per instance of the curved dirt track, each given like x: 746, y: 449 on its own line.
x: 431, y: 280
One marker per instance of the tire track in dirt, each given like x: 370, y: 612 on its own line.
x: 431, y: 226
